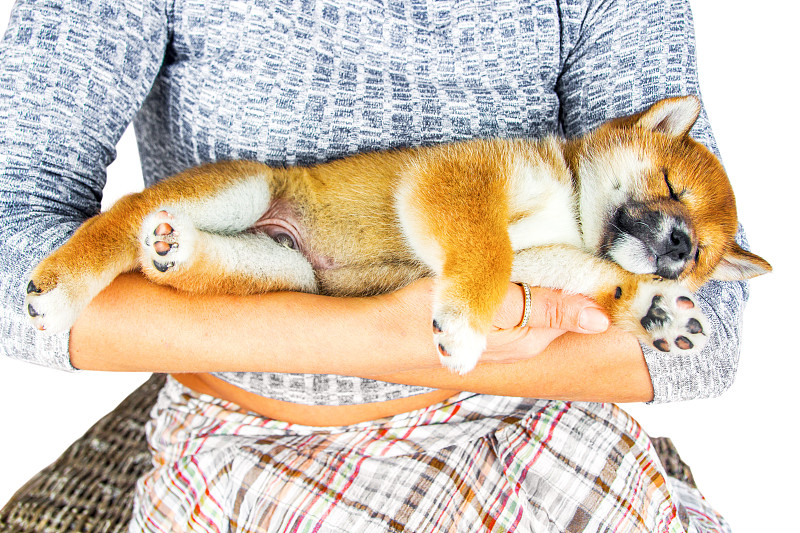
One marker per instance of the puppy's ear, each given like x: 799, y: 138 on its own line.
x: 673, y: 116
x: 738, y: 264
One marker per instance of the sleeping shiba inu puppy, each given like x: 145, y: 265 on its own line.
x: 635, y: 215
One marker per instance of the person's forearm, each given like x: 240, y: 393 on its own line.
x: 137, y: 326
x: 604, y: 367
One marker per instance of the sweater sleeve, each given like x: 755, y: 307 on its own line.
x: 72, y: 75
x: 620, y: 56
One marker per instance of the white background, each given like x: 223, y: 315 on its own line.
x: 742, y: 447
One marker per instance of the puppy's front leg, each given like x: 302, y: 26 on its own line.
x: 660, y: 312
x: 453, y: 209
x: 468, y: 291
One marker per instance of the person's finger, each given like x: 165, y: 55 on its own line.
x: 568, y: 312
x: 515, y: 344
x: 553, y: 309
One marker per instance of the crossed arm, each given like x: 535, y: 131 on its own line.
x: 137, y: 326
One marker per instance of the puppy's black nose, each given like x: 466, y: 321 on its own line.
x: 673, y: 254
x: 679, y: 246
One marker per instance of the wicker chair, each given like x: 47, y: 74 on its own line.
x: 89, y: 489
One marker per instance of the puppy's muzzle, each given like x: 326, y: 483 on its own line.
x: 645, y: 240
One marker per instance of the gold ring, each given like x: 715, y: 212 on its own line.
x: 526, y: 309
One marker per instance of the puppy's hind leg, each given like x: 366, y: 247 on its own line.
x: 65, y: 282
x: 226, y: 197
x: 174, y: 252
x: 206, y: 243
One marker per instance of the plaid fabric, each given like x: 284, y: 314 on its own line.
x: 474, y: 463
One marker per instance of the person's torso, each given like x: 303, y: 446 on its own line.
x: 301, y: 82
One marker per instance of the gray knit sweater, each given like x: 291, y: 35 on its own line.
x: 303, y: 81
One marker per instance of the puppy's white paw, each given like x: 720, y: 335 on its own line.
x: 670, y: 317
x: 168, y: 241
x: 52, y: 311
x: 459, y: 345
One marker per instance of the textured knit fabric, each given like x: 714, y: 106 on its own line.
x: 475, y: 463
x: 297, y: 81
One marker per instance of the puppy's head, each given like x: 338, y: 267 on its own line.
x: 657, y: 202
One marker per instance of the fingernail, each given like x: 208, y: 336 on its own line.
x: 593, y: 319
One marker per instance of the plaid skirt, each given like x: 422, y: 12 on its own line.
x: 471, y: 464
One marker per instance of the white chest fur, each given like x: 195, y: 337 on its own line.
x: 542, y: 200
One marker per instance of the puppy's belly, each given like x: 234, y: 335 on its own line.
x: 369, y: 279
x: 284, y: 224
x: 351, y: 272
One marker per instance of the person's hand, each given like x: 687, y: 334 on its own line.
x: 553, y: 313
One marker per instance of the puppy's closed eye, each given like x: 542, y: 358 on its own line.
x: 672, y: 193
